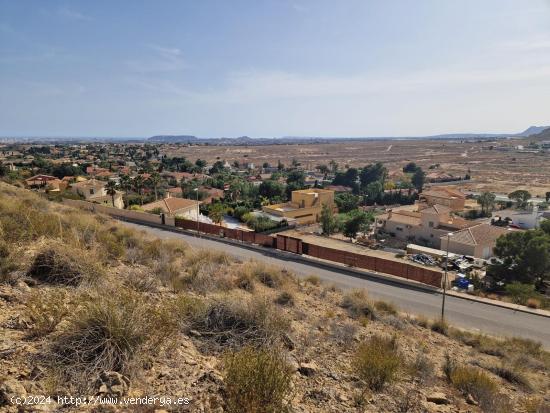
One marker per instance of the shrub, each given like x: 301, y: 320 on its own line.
x: 358, y: 306
x: 519, y: 293
x: 422, y: 367
x: 107, y: 333
x: 533, y: 303
x: 313, y: 280
x: 267, y: 275
x: 256, y: 381
x: 343, y: 333
x: 535, y: 405
x: 237, y: 320
x: 7, y: 263
x: 285, y: 298
x: 440, y: 326
x: 245, y: 282
x: 512, y: 375
x: 385, y: 307
x: 421, y: 321
x: 62, y: 264
x: 46, y: 309
x: 377, y: 362
x: 473, y: 381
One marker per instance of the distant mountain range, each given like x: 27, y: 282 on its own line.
x: 532, y: 131
x: 244, y: 140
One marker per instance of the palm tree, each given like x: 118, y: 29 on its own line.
x: 111, y: 190
x: 216, y: 212
x: 154, y: 181
x: 138, y: 186
x: 487, y: 202
x: 126, y: 185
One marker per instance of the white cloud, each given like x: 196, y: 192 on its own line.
x: 163, y: 59
x: 72, y: 14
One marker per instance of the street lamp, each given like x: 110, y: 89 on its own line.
x: 198, y: 210
x: 445, y: 278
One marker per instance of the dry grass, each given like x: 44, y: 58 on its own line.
x: 107, y: 333
x: 440, y: 326
x: 256, y: 381
x: 385, y: 307
x: 358, y: 305
x: 235, y: 320
x: 270, y: 276
x: 46, y: 309
x: 61, y: 264
x: 473, y: 381
x: 535, y: 405
x: 377, y: 362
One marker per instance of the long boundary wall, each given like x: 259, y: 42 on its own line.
x: 277, y: 241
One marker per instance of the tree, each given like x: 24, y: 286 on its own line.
x: 346, y: 202
x: 125, y: 184
x: 347, y: 178
x: 372, y: 173
x: 358, y: 221
x: 487, y: 202
x: 216, y: 212
x: 547, y: 196
x: 271, y: 189
x: 111, y: 190
x: 217, y: 168
x: 418, y: 179
x: 410, y: 168
x: 521, y: 197
x: 201, y: 163
x: 296, y: 177
x: 138, y: 187
x: 3, y: 169
x: 374, y: 191
x: 154, y: 181
x: 524, y: 256
x: 322, y: 168
x: 333, y: 166
x: 328, y: 222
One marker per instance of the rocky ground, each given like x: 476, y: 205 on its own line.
x: 89, y: 308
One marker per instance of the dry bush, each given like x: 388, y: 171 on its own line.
x: 440, y: 326
x: 533, y: 303
x: 25, y: 217
x: 236, y: 320
x: 385, y: 307
x: 285, y: 298
x: 61, y: 264
x: 421, y: 321
x: 512, y: 374
x: 270, y: 276
x: 313, y: 280
x: 46, y: 309
x: 207, y: 276
x: 535, y: 405
x: 7, y: 263
x: 139, y: 279
x: 256, y: 381
x: 474, y: 381
x: 343, y: 333
x: 245, y: 282
x: 422, y: 367
x: 377, y: 362
x: 107, y: 333
x: 357, y: 304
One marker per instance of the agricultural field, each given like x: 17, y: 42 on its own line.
x: 493, y: 169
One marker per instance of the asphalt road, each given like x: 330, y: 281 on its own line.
x: 463, y: 313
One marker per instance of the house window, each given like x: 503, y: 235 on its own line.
x: 431, y: 224
x: 399, y: 228
x: 91, y: 191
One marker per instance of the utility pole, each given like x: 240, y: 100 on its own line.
x: 198, y: 210
x: 445, y: 278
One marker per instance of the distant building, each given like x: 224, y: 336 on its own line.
x: 305, y: 205
x: 180, y: 207
x: 448, y: 197
x: 425, y: 225
x: 94, y: 191
x: 477, y: 241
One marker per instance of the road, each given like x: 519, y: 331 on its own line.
x: 459, y: 312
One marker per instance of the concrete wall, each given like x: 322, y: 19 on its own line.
x: 109, y: 210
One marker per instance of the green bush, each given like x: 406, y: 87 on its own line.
x: 520, y: 293
x: 256, y: 381
x: 377, y: 362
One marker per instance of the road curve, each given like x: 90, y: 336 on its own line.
x: 463, y: 313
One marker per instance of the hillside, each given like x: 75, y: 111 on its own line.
x: 90, y: 307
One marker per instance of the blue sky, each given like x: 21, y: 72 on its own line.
x: 273, y: 68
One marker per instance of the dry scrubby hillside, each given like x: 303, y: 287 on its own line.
x: 90, y: 307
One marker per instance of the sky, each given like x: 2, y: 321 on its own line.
x: 260, y: 68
